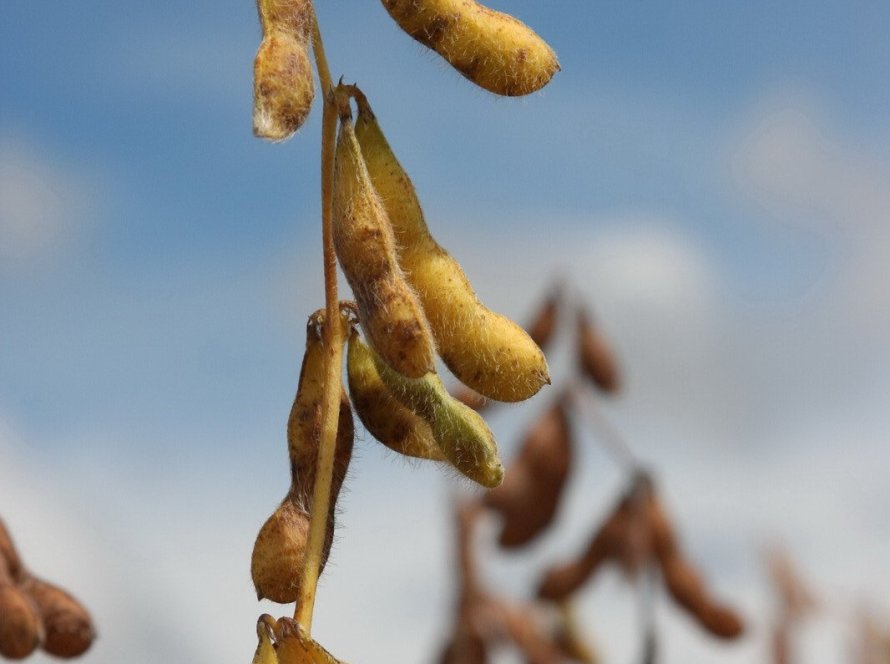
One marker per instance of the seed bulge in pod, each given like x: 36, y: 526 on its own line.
x: 283, y: 88
x: 279, y: 549
x: 383, y: 415
x: 391, y: 316
x: 460, y: 432
x: 492, y: 49
x: 533, y: 485
x: 68, y: 627
x: 486, y: 351
x: 20, y: 628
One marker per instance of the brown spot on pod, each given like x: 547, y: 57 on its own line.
x: 21, y: 630
x: 486, y: 351
x: 385, y: 418
x: 279, y: 550
x: 390, y: 313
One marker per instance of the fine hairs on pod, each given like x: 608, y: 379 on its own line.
x: 283, y: 85
x: 494, y: 50
x: 390, y: 313
x: 486, y: 351
x: 279, y: 549
x: 460, y: 432
x: 385, y: 418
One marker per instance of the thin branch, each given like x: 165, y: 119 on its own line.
x: 330, y: 408
x: 608, y: 437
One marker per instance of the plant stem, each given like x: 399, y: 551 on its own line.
x: 330, y: 408
x: 609, y: 437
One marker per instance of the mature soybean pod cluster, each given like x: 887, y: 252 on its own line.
x: 279, y: 550
x: 459, y: 431
x: 383, y: 415
x: 486, y: 351
x: 283, y: 86
x: 492, y: 49
x: 388, y: 309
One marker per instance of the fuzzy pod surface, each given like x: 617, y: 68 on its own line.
x: 388, y: 308
x: 496, y: 51
x: 384, y: 416
x: 485, y: 350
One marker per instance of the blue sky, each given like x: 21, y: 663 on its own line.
x: 711, y: 175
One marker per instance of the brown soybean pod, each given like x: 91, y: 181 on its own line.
x: 283, y: 87
x: 21, y: 630
x: 533, y: 485
x: 486, y: 351
x: 492, y: 49
x: 541, y: 327
x: 595, y: 359
x: 279, y: 550
x: 390, y: 314
x: 562, y: 581
x: 68, y: 629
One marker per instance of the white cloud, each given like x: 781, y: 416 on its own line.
x: 41, y: 204
x: 806, y: 174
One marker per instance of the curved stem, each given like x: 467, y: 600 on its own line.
x: 333, y: 343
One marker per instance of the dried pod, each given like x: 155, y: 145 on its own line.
x: 494, y: 50
x: 265, y: 650
x: 390, y: 313
x: 294, y: 646
x: 544, y: 321
x: 279, y: 550
x: 685, y: 585
x: 688, y: 591
x: 21, y: 630
x: 461, y: 434
x: 283, y: 87
x: 68, y: 629
x: 486, y: 351
x: 383, y: 415
x: 664, y: 544
x: 9, y: 557
x: 293, y: 16
x: 561, y: 581
x: 722, y: 622
x: 466, y: 646
x: 533, y: 485
x: 594, y: 356
x: 304, y: 421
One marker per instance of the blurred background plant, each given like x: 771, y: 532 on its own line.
x: 712, y: 176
